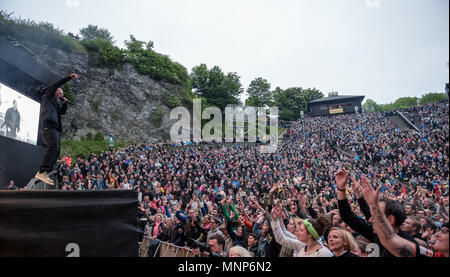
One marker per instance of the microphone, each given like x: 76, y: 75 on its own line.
x: 69, y: 102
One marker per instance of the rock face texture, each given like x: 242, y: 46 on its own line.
x: 112, y: 101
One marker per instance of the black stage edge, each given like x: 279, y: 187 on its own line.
x: 67, y: 223
x: 19, y: 161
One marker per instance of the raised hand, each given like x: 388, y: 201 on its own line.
x: 305, y: 202
x: 341, y: 178
x: 228, y: 201
x: 270, y: 217
x: 357, y: 189
x: 273, y: 189
x: 222, y: 202
x: 370, y: 195
x: 74, y: 76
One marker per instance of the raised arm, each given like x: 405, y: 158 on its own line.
x: 236, y: 214
x: 204, y: 209
x: 363, y: 206
x: 248, y: 223
x: 181, y: 216
x: 395, y: 244
x: 281, y: 238
x: 351, y: 219
x: 225, y: 210
x: 51, y: 90
x: 256, y: 225
x: 230, y: 231
x: 286, y: 232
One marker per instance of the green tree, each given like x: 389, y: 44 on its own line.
x: 158, y: 66
x: 259, y: 93
x: 312, y: 94
x: 34, y: 35
x: 287, y: 115
x: 372, y: 106
x: 219, y: 89
x: 92, y: 32
x: 431, y: 97
x: 290, y: 102
x: 133, y: 45
x: 405, y: 102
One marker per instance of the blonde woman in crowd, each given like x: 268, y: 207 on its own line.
x: 341, y: 242
x: 239, y: 252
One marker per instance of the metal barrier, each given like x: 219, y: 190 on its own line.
x: 165, y: 250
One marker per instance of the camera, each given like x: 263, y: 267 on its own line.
x: 204, y: 247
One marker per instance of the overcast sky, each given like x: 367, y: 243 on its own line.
x: 384, y: 49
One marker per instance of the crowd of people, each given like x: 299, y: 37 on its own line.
x: 316, y: 196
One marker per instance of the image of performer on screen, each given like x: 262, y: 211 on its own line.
x: 54, y: 105
x: 12, y: 121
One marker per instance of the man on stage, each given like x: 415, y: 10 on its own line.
x: 12, y: 121
x: 54, y: 104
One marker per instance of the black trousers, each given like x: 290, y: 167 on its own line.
x: 12, y: 133
x: 51, y: 138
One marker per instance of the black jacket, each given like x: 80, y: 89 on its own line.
x: 192, y: 232
x: 51, y: 111
x: 267, y: 246
x: 364, y: 228
x: 12, y: 119
x: 177, y: 236
x: 347, y: 254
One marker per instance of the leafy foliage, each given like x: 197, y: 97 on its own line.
x: 33, y: 35
x: 111, y: 56
x: 432, y: 98
x: 403, y: 102
x: 292, y: 101
x: 171, y: 101
x: 158, y: 66
x: 372, y: 106
x: 259, y: 93
x: 92, y: 32
x: 84, y: 148
x: 158, y: 117
x: 97, y: 41
x: 99, y: 137
x: 219, y: 89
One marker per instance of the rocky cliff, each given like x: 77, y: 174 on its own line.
x: 122, y: 101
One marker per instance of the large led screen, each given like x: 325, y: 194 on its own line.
x: 19, y: 116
